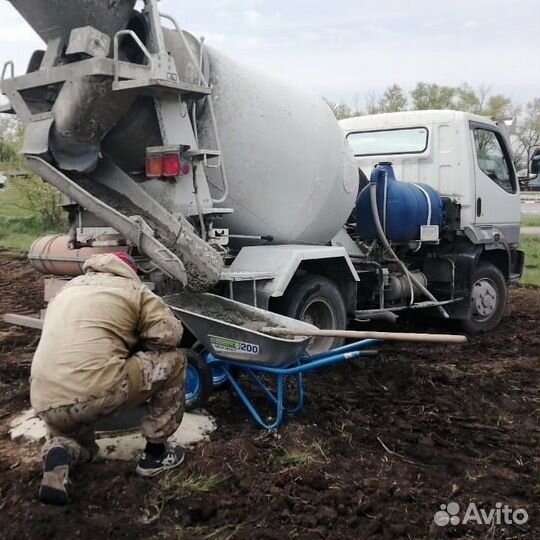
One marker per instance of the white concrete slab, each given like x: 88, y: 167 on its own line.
x: 29, y: 427
x: 194, y: 428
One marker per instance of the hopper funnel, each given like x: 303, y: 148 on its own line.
x: 53, y: 19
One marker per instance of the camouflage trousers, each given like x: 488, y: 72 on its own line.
x: 154, y: 377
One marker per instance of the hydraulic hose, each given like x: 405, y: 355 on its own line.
x: 382, y: 237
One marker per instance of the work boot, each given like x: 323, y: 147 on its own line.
x: 171, y: 458
x: 53, y: 488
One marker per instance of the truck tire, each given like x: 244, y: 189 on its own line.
x: 316, y: 300
x: 489, y: 294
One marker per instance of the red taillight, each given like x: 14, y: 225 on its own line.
x: 171, y: 165
x: 165, y: 162
x: 154, y: 166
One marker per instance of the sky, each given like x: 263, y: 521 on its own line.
x: 346, y: 48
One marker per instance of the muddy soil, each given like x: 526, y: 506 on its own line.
x: 380, y: 446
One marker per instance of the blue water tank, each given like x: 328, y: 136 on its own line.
x: 408, y: 207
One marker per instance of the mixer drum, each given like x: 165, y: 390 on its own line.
x: 291, y: 173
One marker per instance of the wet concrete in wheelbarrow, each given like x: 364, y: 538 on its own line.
x: 379, y: 447
x: 207, y: 306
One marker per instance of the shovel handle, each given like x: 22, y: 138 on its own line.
x: 385, y: 336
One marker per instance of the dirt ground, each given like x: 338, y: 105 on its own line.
x: 380, y: 446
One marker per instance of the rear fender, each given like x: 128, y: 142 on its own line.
x: 274, y: 267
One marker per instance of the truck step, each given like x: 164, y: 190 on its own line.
x: 158, y: 87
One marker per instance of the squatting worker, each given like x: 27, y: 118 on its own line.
x: 108, y: 343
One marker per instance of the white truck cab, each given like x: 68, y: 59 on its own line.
x: 466, y: 159
x: 463, y: 156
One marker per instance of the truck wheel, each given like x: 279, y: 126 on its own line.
x: 316, y: 300
x: 488, y: 299
x: 198, y: 383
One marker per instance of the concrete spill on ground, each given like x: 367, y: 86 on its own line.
x: 125, y: 446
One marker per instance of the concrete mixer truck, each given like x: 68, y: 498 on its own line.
x: 219, y: 178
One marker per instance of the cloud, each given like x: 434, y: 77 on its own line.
x: 19, y: 33
x: 252, y: 17
x: 349, y: 47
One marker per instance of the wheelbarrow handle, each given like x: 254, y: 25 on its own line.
x: 385, y: 336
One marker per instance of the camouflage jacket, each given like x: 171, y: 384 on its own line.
x: 91, y: 327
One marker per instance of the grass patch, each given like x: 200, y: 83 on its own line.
x: 201, y: 483
x: 530, y: 220
x: 195, y: 482
x: 175, y: 483
x: 18, y: 234
x: 295, y: 459
x: 530, y: 244
x: 23, y: 217
x: 300, y: 457
x: 17, y: 242
x: 13, y: 202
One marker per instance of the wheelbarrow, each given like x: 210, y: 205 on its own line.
x: 237, y: 341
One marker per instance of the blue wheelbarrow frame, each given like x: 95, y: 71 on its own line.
x: 226, y: 349
x: 296, y: 368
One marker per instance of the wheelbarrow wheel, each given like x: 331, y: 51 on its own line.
x: 199, y: 382
x: 220, y: 382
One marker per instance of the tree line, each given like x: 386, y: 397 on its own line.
x: 525, y: 132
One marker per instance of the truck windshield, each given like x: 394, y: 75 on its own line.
x: 389, y: 142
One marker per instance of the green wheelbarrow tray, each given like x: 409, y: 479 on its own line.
x: 230, y: 330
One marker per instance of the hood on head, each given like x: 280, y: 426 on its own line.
x: 109, y: 263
